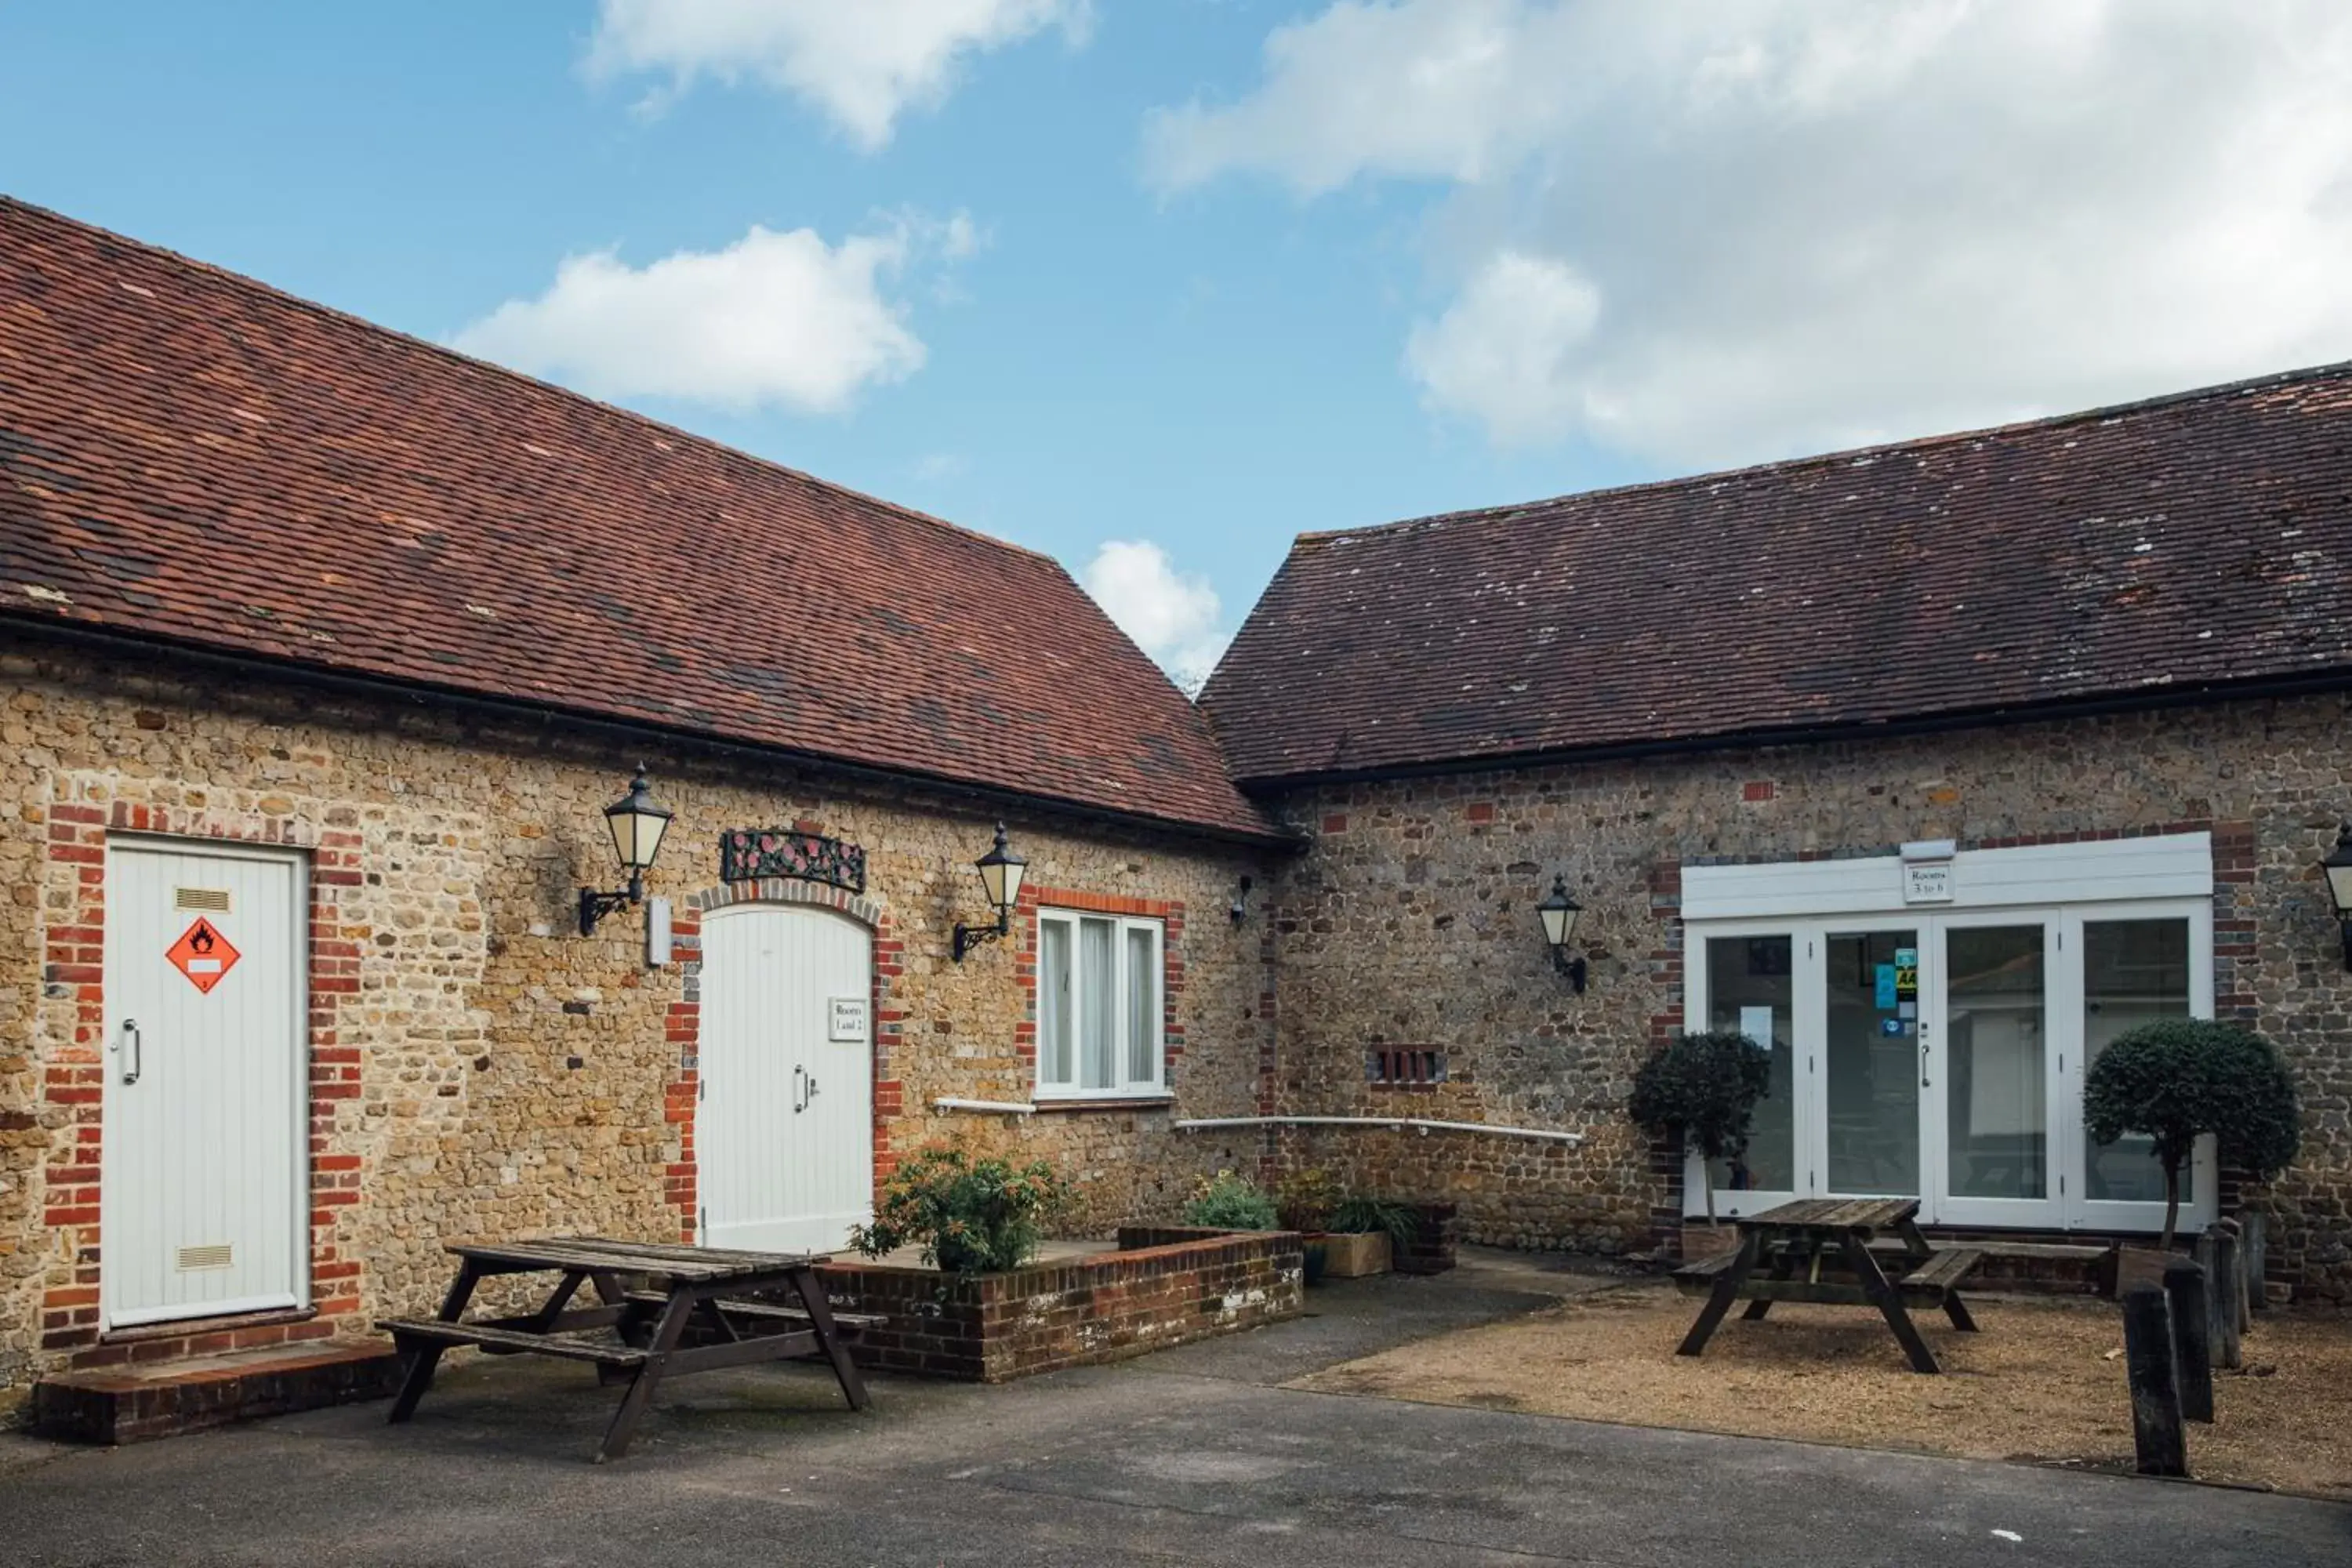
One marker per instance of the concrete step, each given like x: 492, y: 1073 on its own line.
x: 165, y: 1398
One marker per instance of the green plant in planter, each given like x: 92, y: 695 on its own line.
x: 974, y: 1215
x: 1363, y: 1214
x: 1305, y: 1201
x: 1703, y: 1089
x: 2179, y: 1079
x: 1230, y: 1201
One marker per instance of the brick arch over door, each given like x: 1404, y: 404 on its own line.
x: 683, y: 1174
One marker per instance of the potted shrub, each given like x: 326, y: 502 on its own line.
x: 2174, y: 1081
x: 1367, y: 1233
x: 972, y: 1214
x: 1230, y: 1201
x: 1701, y: 1091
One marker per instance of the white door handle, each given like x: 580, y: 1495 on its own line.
x: 135, y: 1056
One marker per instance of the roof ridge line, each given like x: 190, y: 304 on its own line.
x: 1777, y: 466
x: 475, y: 362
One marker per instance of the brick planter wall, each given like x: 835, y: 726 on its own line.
x: 1165, y: 1286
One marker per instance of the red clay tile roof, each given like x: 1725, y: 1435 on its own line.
x: 186, y: 454
x: 2169, y: 546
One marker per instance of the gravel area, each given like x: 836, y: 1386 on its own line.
x: 2043, y: 1381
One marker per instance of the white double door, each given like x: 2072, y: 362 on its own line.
x: 203, y: 1167
x: 784, y: 1128
x: 1942, y: 1056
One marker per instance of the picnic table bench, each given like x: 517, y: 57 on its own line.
x: 660, y: 1311
x: 1795, y: 1239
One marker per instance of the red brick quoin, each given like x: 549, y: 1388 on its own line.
x: 75, y: 1075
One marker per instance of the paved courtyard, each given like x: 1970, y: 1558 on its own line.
x: 1192, y: 1456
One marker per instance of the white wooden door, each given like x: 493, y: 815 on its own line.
x: 204, y: 1162
x: 785, y: 1126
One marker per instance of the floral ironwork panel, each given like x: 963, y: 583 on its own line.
x: 750, y: 854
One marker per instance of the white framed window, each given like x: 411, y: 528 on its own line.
x: 1099, y: 1031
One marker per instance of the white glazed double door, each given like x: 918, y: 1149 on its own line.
x: 204, y: 1160
x: 784, y: 1126
x: 1942, y: 1056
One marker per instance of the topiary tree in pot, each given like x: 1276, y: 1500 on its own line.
x: 973, y: 1213
x: 2176, y: 1080
x: 1702, y: 1089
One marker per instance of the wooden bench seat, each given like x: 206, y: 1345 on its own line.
x: 408, y: 1330
x: 1703, y: 1272
x: 1945, y: 1270
x: 851, y: 1324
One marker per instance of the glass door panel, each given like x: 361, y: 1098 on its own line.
x: 1871, y: 1060
x: 1996, y: 1063
x: 1751, y: 990
x: 2139, y: 964
x: 2134, y: 973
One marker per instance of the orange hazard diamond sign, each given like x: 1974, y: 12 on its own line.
x: 203, y: 954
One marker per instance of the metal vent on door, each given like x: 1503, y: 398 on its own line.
x: 214, y: 901
x: 192, y: 1258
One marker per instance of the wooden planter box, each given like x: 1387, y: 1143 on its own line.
x: 1352, y: 1256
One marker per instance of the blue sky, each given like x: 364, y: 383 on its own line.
x: 1183, y: 277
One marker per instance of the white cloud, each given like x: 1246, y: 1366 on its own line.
x: 1702, y: 232
x: 773, y: 319
x: 1505, y: 351
x: 862, y: 63
x: 1173, y: 616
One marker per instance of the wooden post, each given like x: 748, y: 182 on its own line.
x: 2192, y: 1338
x: 2240, y: 1293
x: 2254, y: 1252
x: 2156, y: 1435
x: 2217, y: 1249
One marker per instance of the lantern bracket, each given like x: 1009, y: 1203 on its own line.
x: 594, y: 906
x: 969, y: 937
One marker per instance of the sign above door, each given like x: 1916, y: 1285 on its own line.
x: 752, y: 854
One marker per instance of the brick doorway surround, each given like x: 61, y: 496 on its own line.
x: 81, y: 820
x: 682, y: 1177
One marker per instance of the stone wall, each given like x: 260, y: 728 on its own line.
x: 1411, y: 922
x: 478, y: 1068
x: 1165, y: 1286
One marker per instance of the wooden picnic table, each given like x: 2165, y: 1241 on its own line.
x: 661, y: 1310
x: 1795, y: 1239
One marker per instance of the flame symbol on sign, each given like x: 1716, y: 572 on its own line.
x: 201, y: 939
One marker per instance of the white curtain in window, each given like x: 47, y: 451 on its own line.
x: 1097, y: 1004
x: 1053, y: 1002
x: 1142, y: 1005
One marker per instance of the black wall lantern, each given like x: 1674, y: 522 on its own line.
x: 1001, y: 871
x: 638, y: 823
x: 1559, y: 914
x: 2338, y: 867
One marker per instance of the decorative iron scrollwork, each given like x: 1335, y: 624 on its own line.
x: 750, y: 854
